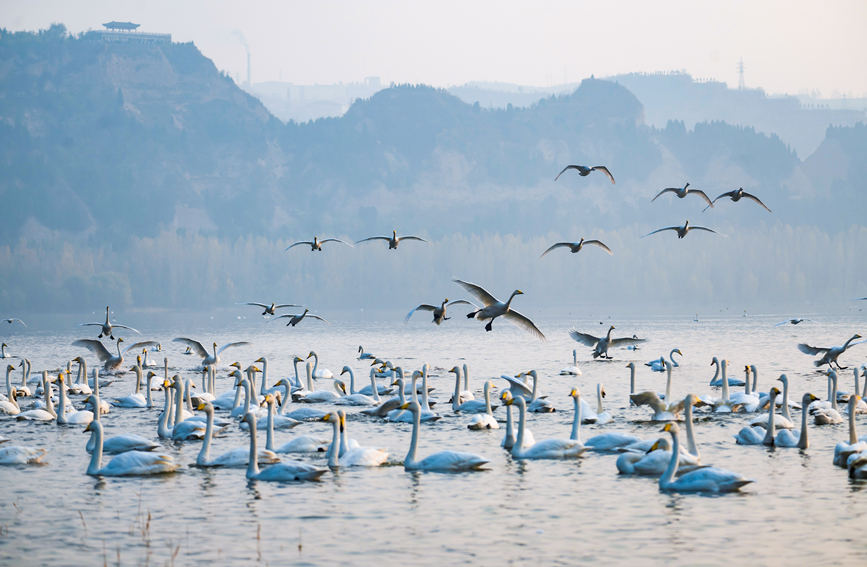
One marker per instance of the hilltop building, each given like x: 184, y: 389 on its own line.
x: 125, y: 32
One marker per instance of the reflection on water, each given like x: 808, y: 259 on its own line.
x: 517, y: 512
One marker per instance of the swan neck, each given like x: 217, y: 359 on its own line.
x: 576, y: 420
x: 771, y: 430
x: 374, y: 389
x: 413, y: 446
x: 599, y: 408
x: 150, y: 401
x: 205, y: 452
x: 488, y: 399
x: 668, y: 476
x: 725, y: 384
x: 253, y: 458
x: 400, y: 393
x: 179, y: 403
x: 263, y: 388
x: 246, y: 385
x: 466, y: 378
x: 96, y: 456
x: 269, y: 438
x: 691, y: 445
x: 334, y: 448
x: 715, y: 374
x: 509, y: 440
x: 803, y: 442
x: 518, y: 447
x: 352, y: 382
x: 834, y: 391
x: 535, y: 386
x: 61, y: 410
x: 310, y: 379
x: 424, y: 397
x: 414, y: 394
x: 631, y: 379
x: 137, y: 379
x: 853, y: 434
x: 455, y: 399
x: 344, y: 442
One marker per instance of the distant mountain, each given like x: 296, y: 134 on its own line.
x: 112, y: 140
x: 677, y: 96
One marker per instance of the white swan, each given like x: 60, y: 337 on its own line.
x: 271, y: 421
x: 659, y: 364
x: 443, y: 461
x: 20, y: 455
x: 757, y: 435
x: 280, y: 472
x: 119, y: 443
x: 180, y: 431
x: 510, y: 438
x: 843, y: 450
x: 793, y: 438
x: 485, y: 420
x: 364, y: 355
x: 494, y: 308
x: 547, y: 449
x: 662, y: 410
x: 10, y: 405
x: 237, y: 457
x: 747, y: 401
x: 354, y: 399
x: 460, y: 403
x: 128, y: 463
x: 319, y: 373
x: 251, y: 402
x: 358, y: 456
x: 537, y: 403
x: 302, y: 444
x: 107, y: 328
x: 782, y: 421
x: 320, y: 396
x: 64, y: 417
x: 23, y: 390
x: 460, y: 396
x: 708, y: 479
x: 572, y: 370
x: 823, y: 415
x: 136, y: 399
x: 199, y: 350
x: 610, y: 441
x: 717, y: 381
x: 653, y: 460
x: 602, y: 416
x: 110, y: 361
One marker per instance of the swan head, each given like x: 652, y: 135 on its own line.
x: 298, y: 359
x: 252, y: 368
x: 685, y: 186
x: 236, y: 364
x: 455, y: 369
x: 151, y: 375
x: 677, y: 350
x: 692, y: 400
x: 417, y: 374
x: 312, y: 354
x: 360, y: 349
x: 601, y: 390
x: 60, y: 376
x: 575, y: 393
x: 331, y: 417
x: 774, y: 391
x: 411, y: 406
x: 260, y: 359
x: 345, y: 370
x: 714, y: 361
x: 340, y: 386
x: 671, y: 427
x: 377, y: 361
x: 398, y: 382
x: 92, y: 426
x: 250, y: 419
x: 9, y: 368
x: 166, y: 384
x: 631, y: 366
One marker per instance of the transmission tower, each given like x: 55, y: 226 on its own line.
x: 741, y: 84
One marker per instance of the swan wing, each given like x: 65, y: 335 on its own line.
x: 281, y: 316
x: 285, y: 305
x: 661, y: 229
x: 125, y: 327
x: 452, y: 461
x: 259, y: 304
x: 604, y: 170
x: 517, y: 385
x: 757, y: 200
x: 478, y: 292
x: 95, y: 347
x: 523, y: 322
x: 705, y: 229
x: 196, y: 346
x: 811, y: 350
x: 140, y: 344
x: 648, y: 399
x: 420, y: 239
x: 386, y: 238
x: 15, y: 319
x: 316, y: 317
x: 583, y: 338
x: 422, y: 307
x: 600, y: 245
x: 240, y: 343
x: 578, y: 167
x: 710, y: 479
x: 703, y: 195
x: 138, y: 462
x: 555, y: 246
x: 89, y: 325
x: 625, y: 341
x: 307, y: 242
x: 291, y: 470
x: 462, y: 302
x: 666, y: 190
x: 336, y: 240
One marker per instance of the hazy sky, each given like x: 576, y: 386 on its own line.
x: 786, y: 45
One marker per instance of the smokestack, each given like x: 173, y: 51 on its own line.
x: 249, y: 79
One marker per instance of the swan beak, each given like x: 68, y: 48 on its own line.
x: 344, y: 371
x: 87, y: 429
x: 201, y: 406
x: 326, y: 417
x: 700, y: 403
x: 259, y: 360
x: 603, y: 392
x: 255, y: 369
x: 573, y: 393
x: 654, y: 447
x: 667, y: 427
x: 405, y: 406
x: 309, y: 355
x: 680, y: 353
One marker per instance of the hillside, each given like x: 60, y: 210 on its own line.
x: 106, y: 141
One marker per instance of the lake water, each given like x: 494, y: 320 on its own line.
x: 800, y: 510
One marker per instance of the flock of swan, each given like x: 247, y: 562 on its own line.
x: 253, y: 404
